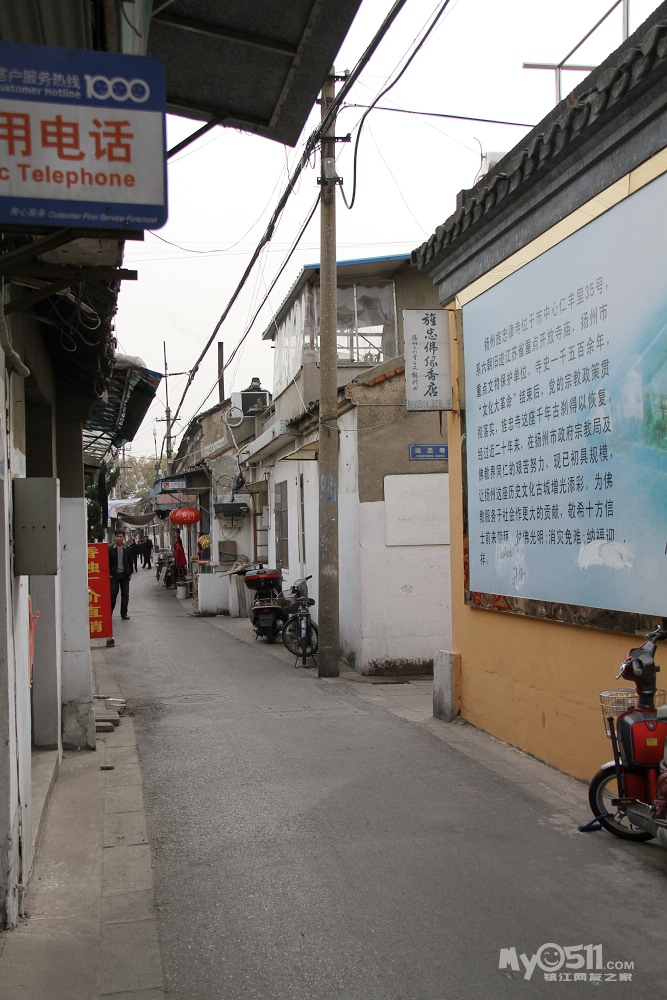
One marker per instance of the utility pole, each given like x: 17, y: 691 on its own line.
x: 167, y: 411
x: 221, y: 372
x: 329, y: 648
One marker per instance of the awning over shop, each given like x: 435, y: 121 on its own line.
x: 115, y: 506
x: 117, y: 420
x: 308, y: 452
x: 255, y: 66
x: 137, y: 520
x: 179, y: 489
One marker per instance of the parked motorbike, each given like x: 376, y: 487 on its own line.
x: 628, y: 795
x: 163, y: 560
x: 300, y: 634
x: 270, y: 607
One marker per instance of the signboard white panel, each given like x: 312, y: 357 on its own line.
x: 566, y: 422
x: 428, y: 370
x: 82, y: 139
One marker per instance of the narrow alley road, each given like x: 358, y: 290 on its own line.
x: 307, y: 843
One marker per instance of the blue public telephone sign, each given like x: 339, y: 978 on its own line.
x: 82, y: 139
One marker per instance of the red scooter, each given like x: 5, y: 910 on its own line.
x: 628, y: 795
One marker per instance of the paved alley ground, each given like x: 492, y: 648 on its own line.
x: 309, y: 843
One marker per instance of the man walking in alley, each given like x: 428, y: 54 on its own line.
x: 147, y: 551
x: 120, y: 571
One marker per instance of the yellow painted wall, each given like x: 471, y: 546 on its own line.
x: 533, y: 683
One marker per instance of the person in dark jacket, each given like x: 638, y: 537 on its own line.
x: 120, y: 571
x: 147, y: 551
x: 134, y: 553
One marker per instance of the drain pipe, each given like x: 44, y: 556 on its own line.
x: 13, y: 358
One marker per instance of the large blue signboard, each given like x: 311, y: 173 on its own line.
x: 566, y: 392
x: 82, y: 139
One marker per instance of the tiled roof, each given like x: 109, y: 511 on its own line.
x: 636, y: 65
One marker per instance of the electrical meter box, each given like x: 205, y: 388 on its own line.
x: 36, y: 526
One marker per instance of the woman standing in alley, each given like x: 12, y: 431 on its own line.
x: 179, y: 557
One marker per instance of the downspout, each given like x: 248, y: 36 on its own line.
x: 13, y: 359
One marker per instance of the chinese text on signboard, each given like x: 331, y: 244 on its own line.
x: 81, y: 138
x: 99, y: 591
x: 428, y: 380
x: 566, y: 422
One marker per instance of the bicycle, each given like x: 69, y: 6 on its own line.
x: 300, y: 634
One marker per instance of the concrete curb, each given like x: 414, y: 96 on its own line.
x: 130, y: 961
x: 90, y: 929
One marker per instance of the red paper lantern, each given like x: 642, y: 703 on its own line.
x: 184, y: 515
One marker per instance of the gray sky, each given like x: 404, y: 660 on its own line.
x: 224, y: 188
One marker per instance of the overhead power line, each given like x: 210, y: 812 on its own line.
x: 309, y: 149
x: 295, y: 244
x: 441, y: 114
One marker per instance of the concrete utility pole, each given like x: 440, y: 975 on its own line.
x: 221, y: 372
x: 328, y: 454
x: 167, y: 411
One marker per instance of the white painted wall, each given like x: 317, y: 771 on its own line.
x: 394, y: 562
x: 77, y: 693
x: 405, y: 596
x: 310, y: 566
x: 47, y: 684
x: 290, y: 472
x: 241, y: 533
x: 16, y: 847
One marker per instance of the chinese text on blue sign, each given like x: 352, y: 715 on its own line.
x: 82, y: 139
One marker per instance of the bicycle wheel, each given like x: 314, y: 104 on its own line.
x: 602, y: 789
x: 308, y: 642
x: 291, y: 636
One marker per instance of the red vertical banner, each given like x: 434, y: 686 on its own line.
x: 99, y: 591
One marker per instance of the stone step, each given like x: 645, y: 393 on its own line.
x: 106, y: 715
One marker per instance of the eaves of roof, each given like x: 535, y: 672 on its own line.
x: 638, y: 64
x: 256, y: 66
x: 380, y: 373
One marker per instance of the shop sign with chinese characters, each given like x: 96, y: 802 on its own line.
x: 566, y: 420
x: 82, y: 139
x: 428, y: 378
x: 99, y: 592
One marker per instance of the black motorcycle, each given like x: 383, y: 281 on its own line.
x: 270, y: 607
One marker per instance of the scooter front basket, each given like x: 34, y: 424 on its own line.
x: 615, y: 701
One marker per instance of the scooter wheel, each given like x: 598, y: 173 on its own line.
x: 602, y: 789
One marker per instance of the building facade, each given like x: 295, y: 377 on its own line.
x: 551, y: 272
x: 393, y: 539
